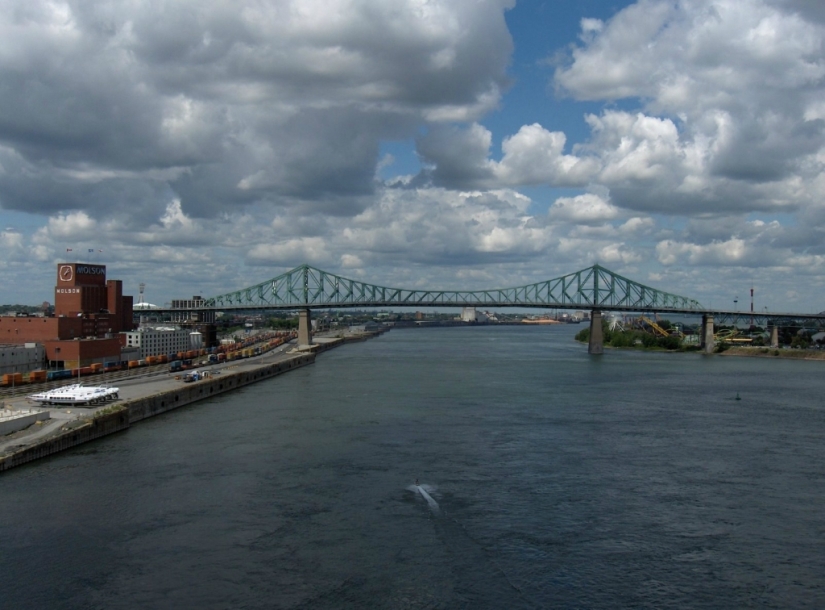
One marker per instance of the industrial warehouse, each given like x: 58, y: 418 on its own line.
x: 92, y: 330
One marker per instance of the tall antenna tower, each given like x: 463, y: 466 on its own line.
x: 142, y: 287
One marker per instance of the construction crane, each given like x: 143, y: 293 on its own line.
x: 656, y: 328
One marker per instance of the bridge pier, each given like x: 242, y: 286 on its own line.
x: 596, y: 344
x: 775, y: 336
x: 304, y: 327
x: 707, y: 334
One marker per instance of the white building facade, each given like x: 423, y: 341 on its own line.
x: 159, y: 340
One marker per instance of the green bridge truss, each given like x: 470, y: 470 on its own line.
x: 591, y: 288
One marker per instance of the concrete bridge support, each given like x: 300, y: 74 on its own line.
x: 775, y: 336
x: 304, y: 327
x: 596, y: 345
x: 707, y: 334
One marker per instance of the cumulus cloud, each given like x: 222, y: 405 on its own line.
x: 584, y: 209
x: 276, y: 102
x: 731, y: 93
x: 461, y: 158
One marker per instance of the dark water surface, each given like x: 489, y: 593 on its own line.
x: 633, y: 480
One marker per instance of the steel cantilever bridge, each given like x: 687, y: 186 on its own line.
x: 595, y: 288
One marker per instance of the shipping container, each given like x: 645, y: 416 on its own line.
x: 62, y: 374
x: 36, y: 376
x: 12, y: 379
x: 133, y: 364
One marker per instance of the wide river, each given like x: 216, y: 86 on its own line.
x: 548, y: 479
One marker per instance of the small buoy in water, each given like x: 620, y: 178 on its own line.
x: 737, y: 396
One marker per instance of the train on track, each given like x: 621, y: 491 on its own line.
x: 247, y: 348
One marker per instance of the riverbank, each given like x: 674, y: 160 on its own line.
x: 145, y: 398
x: 772, y: 352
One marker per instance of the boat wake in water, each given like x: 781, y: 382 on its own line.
x: 425, y: 491
x: 476, y: 578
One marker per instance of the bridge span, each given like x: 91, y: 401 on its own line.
x: 595, y: 288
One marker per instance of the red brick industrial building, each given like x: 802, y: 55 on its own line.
x: 89, y: 312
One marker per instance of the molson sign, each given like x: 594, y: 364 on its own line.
x: 73, y: 273
x: 90, y: 270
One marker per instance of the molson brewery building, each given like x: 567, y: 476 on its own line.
x: 89, y: 312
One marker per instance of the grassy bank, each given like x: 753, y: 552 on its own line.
x: 770, y: 352
x: 637, y: 339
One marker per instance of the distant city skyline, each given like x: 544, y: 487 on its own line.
x: 200, y: 147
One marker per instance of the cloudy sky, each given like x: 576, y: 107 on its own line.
x: 201, y: 146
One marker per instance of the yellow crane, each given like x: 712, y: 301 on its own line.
x: 658, y: 329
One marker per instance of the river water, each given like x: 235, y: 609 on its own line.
x: 550, y: 479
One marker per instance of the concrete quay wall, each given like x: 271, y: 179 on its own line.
x: 121, y: 416
x: 12, y: 421
x: 128, y: 412
x: 162, y: 402
x: 96, y: 428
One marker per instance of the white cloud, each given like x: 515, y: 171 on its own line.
x: 584, y: 209
x: 290, y: 252
x: 225, y: 106
x: 460, y: 158
x: 536, y: 156
x: 72, y: 226
x: 731, y: 93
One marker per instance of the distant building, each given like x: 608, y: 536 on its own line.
x: 188, y: 313
x: 21, y: 358
x: 365, y: 327
x: 145, y: 307
x: 208, y: 332
x: 469, y: 314
x: 159, y: 340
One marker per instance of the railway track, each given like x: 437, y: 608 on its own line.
x: 95, y: 379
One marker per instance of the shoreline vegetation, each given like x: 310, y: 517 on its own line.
x: 637, y: 339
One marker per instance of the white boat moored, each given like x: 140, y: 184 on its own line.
x: 76, y: 394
